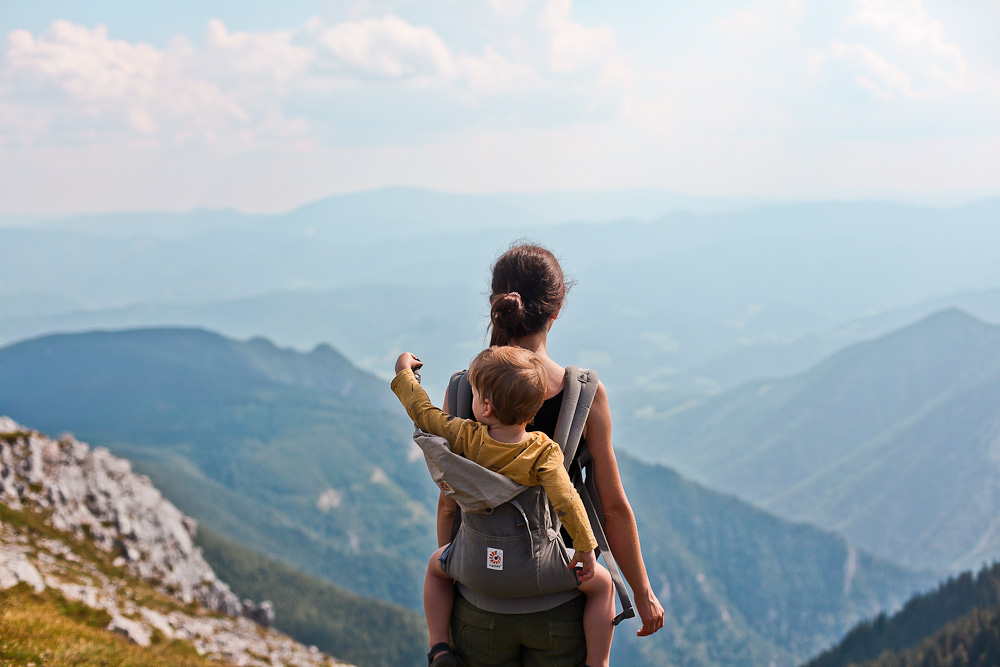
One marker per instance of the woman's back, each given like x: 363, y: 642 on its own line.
x: 547, y: 416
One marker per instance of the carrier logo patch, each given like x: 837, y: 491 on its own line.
x: 444, y: 486
x: 494, y: 558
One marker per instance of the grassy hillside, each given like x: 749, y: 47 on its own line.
x: 47, y: 629
x: 889, y: 442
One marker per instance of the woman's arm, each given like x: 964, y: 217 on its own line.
x: 619, y: 520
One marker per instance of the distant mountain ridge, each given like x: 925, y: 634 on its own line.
x: 763, y: 362
x: 657, y: 299
x: 371, y: 323
x: 892, y: 442
x: 332, y: 487
x: 401, y: 210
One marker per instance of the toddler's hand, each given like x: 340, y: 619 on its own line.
x: 589, y: 563
x: 407, y: 360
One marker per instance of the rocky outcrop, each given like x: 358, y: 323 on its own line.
x: 94, y: 496
x: 92, y: 493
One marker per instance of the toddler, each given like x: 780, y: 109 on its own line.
x: 508, y: 387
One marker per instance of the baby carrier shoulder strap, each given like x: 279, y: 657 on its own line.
x: 579, y: 390
x: 460, y: 395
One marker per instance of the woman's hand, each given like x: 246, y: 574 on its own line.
x: 651, y: 613
x: 407, y: 360
x: 588, y: 564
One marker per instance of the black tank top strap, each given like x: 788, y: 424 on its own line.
x: 547, y: 416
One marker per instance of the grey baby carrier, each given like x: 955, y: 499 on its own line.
x: 507, y: 553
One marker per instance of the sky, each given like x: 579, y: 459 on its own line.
x: 263, y: 106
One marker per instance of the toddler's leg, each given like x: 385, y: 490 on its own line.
x: 439, y: 596
x: 598, y: 616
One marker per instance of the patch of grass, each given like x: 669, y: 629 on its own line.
x: 78, y: 611
x: 50, y: 631
x: 11, y: 437
x: 21, y: 519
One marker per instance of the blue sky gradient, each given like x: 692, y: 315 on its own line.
x: 261, y: 106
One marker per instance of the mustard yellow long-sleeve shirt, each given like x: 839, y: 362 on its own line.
x: 535, y: 460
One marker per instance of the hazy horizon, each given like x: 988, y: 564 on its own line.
x: 710, y: 203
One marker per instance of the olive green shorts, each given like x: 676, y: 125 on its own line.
x: 552, y: 638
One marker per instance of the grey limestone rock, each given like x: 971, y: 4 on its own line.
x: 134, y: 630
x: 96, y: 496
x: 262, y: 614
x: 16, y: 568
x: 92, y: 493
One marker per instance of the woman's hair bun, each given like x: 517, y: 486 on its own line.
x: 507, y: 311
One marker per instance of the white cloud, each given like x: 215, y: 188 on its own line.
x: 270, y: 58
x: 880, y: 76
x: 390, y: 48
x: 73, y: 67
x: 572, y: 44
x: 493, y: 74
x: 76, y: 84
x: 905, y: 29
x: 387, y: 47
x: 764, y: 20
x: 510, y: 8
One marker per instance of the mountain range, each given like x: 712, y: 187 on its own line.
x: 892, y: 442
x: 288, y: 452
x: 373, y: 323
x: 659, y: 298
x: 296, y: 456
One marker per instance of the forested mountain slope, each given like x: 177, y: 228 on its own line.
x: 366, y: 631
x: 959, y: 623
